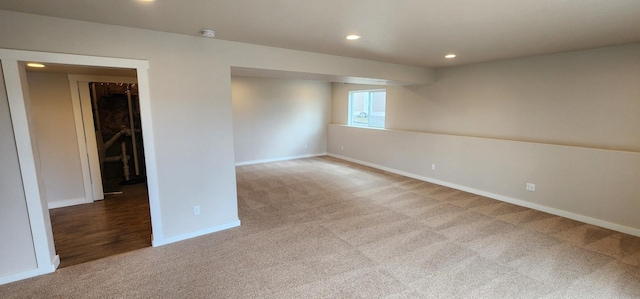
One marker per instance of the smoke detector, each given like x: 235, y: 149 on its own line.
x: 208, y: 33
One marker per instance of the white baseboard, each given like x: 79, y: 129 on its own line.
x: 31, y: 273
x: 279, y: 159
x: 67, y: 202
x: 165, y: 241
x: 55, y: 263
x: 515, y: 201
x: 20, y: 276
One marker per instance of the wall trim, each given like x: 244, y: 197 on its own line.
x: 280, y: 159
x: 511, y: 200
x: 19, y: 106
x: 82, y: 142
x: 20, y: 276
x: 55, y: 263
x: 31, y: 273
x: 67, y: 202
x: 217, y: 228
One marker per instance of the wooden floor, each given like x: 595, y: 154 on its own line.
x: 118, y: 224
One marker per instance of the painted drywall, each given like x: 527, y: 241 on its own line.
x: 16, y: 248
x: 590, y: 185
x: 584, y: 98
x: 191, y: 107
x: 567, y: 122
x: 307, y: 64
x: 56, y: 134
x: 275, y: 119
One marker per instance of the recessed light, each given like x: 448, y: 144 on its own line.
x: 449, y: 56
x: 353, y: 37
x: 32, y: 64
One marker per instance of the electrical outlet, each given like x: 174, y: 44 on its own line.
x: 433, y: 167
x: 196, y: 210
x: 342, y: 147
x: 530, y: 187
x: 306, y: 146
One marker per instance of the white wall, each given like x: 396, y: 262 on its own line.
x: 590, y: 185
x: 585, y: 98
x: 191, y: 113
x: 191, y: 108
x: 274, y: 119
x: 567, y: 122
x: 15, y: 231
x: 56, y: 134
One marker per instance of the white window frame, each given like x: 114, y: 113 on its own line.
x: 350, y: 120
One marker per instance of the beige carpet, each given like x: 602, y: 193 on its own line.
x: 325, y: 228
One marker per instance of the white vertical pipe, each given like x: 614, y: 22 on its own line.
x: 133, y: 133
x: 98, y: 128
x: 125, y: 160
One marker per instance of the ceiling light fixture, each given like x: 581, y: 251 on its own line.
x: 208, y: 33
x: 449, y: 56
x: 33, y: 64
x: 353, y: 37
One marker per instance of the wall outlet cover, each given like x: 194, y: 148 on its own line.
x: 530, y: 187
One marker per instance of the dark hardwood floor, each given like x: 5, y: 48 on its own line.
x: 118, y: 224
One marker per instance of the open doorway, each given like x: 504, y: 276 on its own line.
x: 85, y: 227
x: 121, y: 222
x: 40, y: 242
x: 89, y: 225
x: 116, y: 114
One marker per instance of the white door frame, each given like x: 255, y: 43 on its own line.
x: 87, y: 145
x: 19, y: 106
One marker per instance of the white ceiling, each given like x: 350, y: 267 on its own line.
x: 412, y: 32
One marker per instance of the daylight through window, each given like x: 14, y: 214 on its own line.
x: 367, y: 108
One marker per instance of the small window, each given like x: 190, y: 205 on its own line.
x: 367, y: 108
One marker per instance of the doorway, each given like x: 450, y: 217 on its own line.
x: 119, y: 223
x: 19, y: 103
x: 86, y: 227
x: 116, y: 115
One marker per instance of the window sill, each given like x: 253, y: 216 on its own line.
x: 369, y: 128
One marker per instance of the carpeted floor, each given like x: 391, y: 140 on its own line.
x: 325, y: 228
